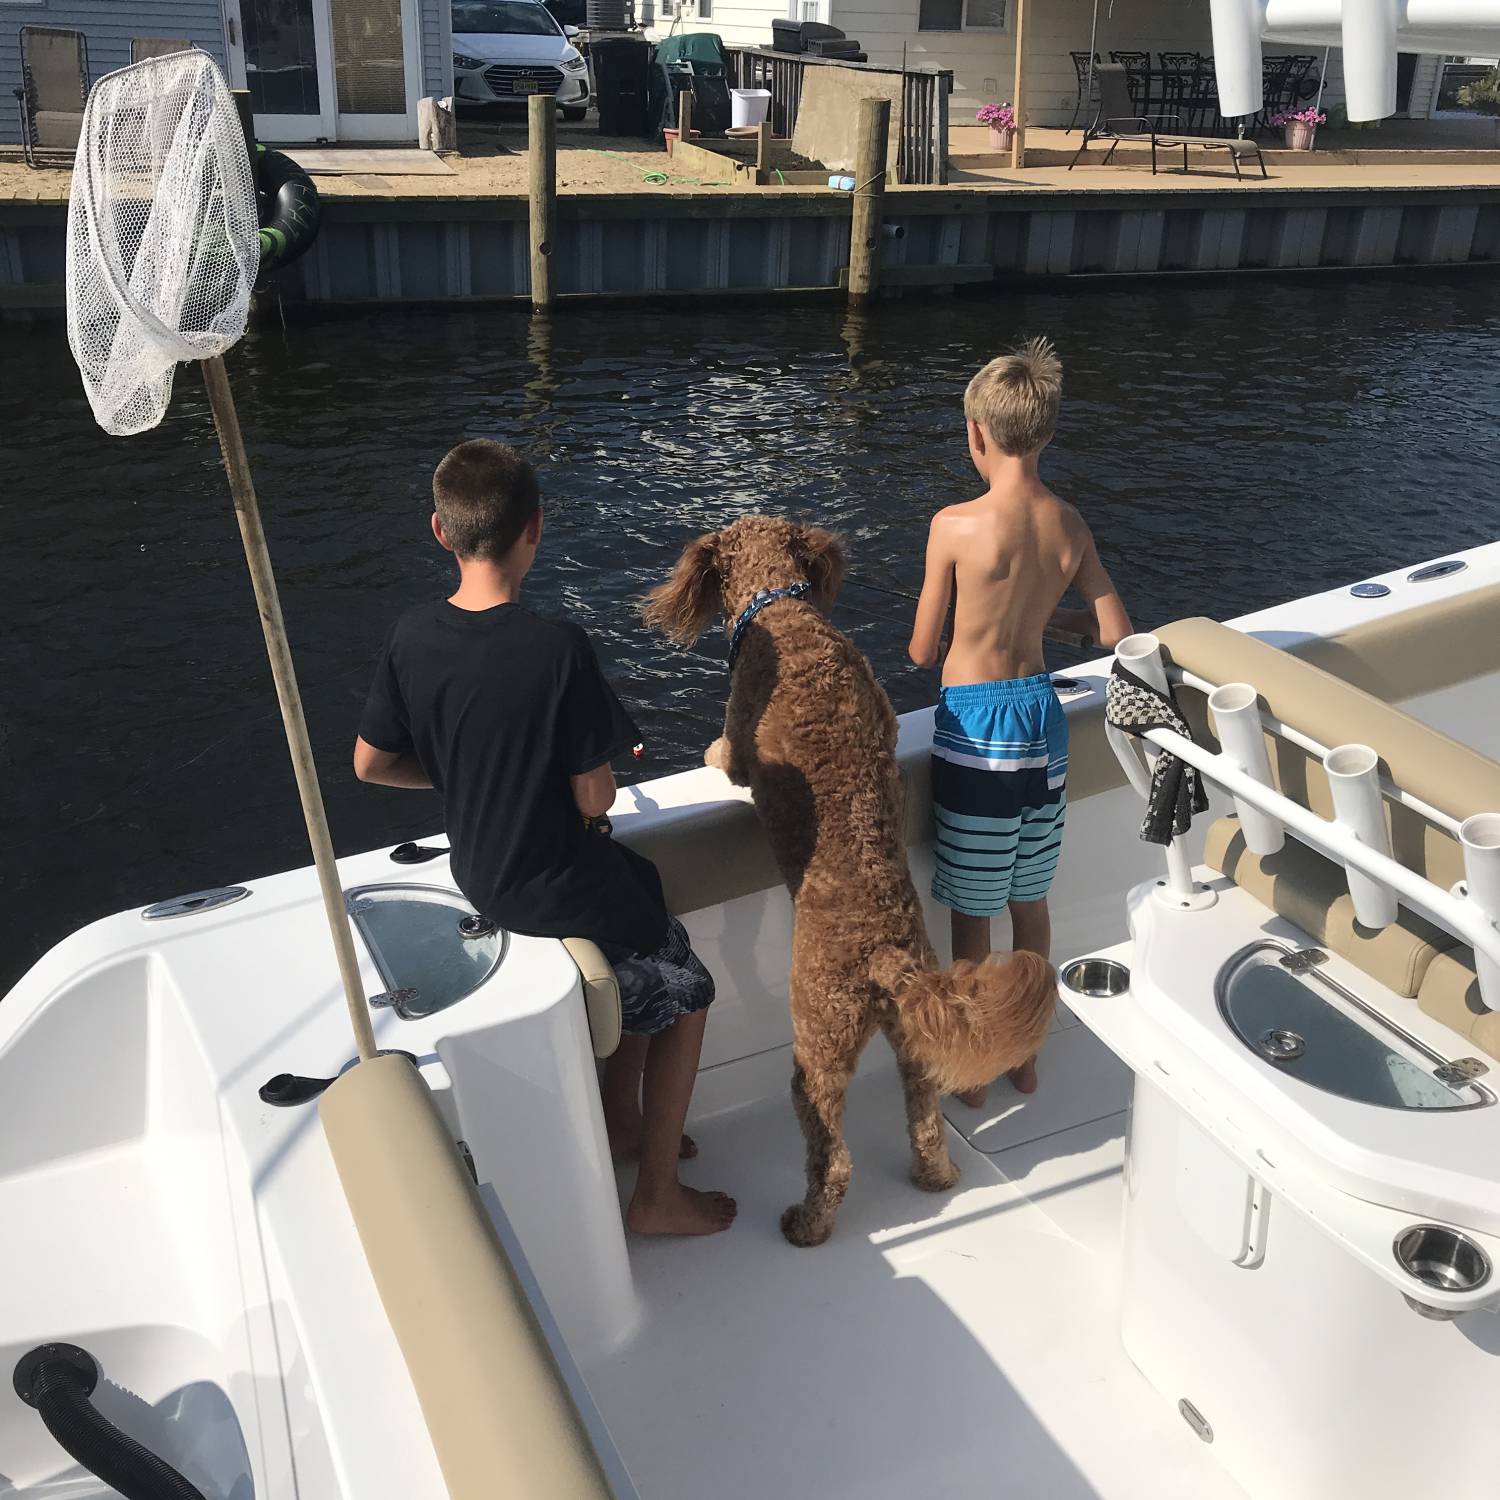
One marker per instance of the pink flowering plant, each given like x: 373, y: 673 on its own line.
x: 1312, y: 115
x: 1000, y: 116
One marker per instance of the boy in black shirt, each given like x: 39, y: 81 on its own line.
x: 509, y: 717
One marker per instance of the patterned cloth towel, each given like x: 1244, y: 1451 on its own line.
x: 1176, y: 788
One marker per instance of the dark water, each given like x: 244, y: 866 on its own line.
x: 1231, y: 446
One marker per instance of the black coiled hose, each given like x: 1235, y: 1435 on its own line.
x: 58, y: 1379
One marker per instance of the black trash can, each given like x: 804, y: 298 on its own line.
x: 620, y: 74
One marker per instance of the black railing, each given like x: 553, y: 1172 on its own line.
x: 922, y: 145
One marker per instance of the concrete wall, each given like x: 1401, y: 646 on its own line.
x: 109, y: 25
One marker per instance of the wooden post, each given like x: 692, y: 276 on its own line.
x: 247, y: 119
x: 763, y: 152
x: 1018, y: 140
x: 684, y: 116
x: 541, y: 150
x: 870, y: 148
x: 247, y: 509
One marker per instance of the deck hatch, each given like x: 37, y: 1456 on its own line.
x: 427, y: 942
x: 1305, y: 1025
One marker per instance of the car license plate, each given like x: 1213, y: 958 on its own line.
x: 527, y: 86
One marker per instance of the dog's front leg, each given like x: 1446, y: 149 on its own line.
x: 726, y: 753
x: 818, y: 1094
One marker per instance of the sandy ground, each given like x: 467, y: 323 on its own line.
x: 493, y: 163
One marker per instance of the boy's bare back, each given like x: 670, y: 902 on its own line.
x: 1011, y: 555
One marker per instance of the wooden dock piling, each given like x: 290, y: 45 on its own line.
x: 541, y: 150
x: 871, y: 145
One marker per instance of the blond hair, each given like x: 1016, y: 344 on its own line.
x: 1015, y: 398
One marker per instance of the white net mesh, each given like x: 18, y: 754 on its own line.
x: 162, y: 234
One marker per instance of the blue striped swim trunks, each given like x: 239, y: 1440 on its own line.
x: 999, y: 764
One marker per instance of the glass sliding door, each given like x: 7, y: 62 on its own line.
x: 326, y: 70
x: 283, y: 55
x: 376, y: 68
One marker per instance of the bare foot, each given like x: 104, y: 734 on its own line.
x: 975, y: 1098
x: 1024, y: 1078
x: 682, y: 1211
x: 625, y: 1142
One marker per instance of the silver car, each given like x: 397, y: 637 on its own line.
x: 506, y: 50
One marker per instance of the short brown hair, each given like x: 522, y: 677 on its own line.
x: 485, y: 493
x: 1015, y: 398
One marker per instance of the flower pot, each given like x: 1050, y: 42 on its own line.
x: 1299, y: 135
x: 1001, y: 137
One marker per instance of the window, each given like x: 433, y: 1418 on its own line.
x: 705, y: 10
x: 961, y: 15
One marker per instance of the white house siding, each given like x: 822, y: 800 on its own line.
x: 109, y: 26
x: 983, y: 62
x: 740, y: 23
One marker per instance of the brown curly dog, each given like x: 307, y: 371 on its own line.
x: 813, y: 735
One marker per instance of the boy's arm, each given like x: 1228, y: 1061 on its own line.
x: 1106, y: 610
x: 594, y: 791
x: 388, y: 767
x: 932, y: 606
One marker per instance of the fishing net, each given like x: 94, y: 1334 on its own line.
x: 162, y: 234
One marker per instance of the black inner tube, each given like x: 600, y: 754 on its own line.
x: 58, y: 1379
x: 290, y: 211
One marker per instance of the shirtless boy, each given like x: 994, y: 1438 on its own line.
x: 1000, y: 738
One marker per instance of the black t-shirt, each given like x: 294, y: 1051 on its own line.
x: 501, y: 708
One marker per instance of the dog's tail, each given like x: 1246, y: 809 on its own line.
x: 969, y: 1024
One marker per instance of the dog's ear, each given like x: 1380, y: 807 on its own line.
x: 821, y: 554
x: 683, y: 607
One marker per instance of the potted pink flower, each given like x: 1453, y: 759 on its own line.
x: 1001, y: 119
x: 1299, y: 126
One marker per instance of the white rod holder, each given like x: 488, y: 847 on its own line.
x: 1480, y: 837
x: 1358, y: 807
x: 1236, y: 710
x: 1140, y: 654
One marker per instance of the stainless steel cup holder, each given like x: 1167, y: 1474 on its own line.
x: 1443, y: 1259
x: 1098, y: 978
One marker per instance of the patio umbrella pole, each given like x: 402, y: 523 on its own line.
x: 1018, y: 138
x: 1088, y: 87
x: 1322, y: 78
x: 247, y: 511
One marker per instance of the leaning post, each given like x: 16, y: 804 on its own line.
x: 871, y: 144
x: 541, y: 151
x: 1018, y: 136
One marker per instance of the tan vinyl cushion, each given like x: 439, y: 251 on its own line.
x: 706, y: 861
x: 1311, y: 893
x: 601, y: 994
x: 497, y: 1409
x: 1450, y: 776
x: 1450, y: 994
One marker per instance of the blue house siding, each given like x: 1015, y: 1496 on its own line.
x: 437, y: 48
x: 109, y: 25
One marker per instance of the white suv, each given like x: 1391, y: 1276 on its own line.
x: 505, y: 50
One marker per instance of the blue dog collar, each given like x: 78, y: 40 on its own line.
x: 754, y: 607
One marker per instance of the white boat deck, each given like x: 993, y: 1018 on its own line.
x: 966, y: 1344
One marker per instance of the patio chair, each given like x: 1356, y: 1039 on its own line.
x: 1115, y: 120
x: 1085, y: 66
x: 54, y: 88
x: 1274, y: 73
x: 144, y: 47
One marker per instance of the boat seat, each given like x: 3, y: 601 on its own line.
x: 601, y: 994
x: 1450, y: 994
x: 1311, y: 892
x: 1444, y: 773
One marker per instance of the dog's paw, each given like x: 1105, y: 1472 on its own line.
x: 804, y: 1228
x: 717, y: 755
x: 934, y: 1176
